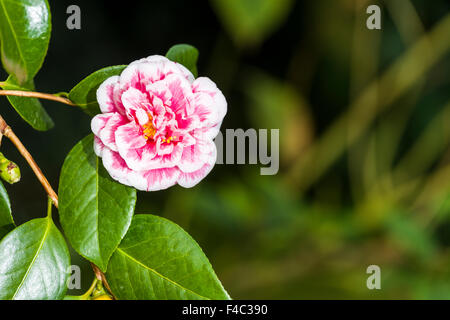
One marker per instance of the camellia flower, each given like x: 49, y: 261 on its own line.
x: 157, y: 125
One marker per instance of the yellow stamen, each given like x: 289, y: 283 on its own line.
x: 169, y: 140
x: 149, y: 129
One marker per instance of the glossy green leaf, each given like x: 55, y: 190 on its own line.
x: 84, y: 94
x: 30, y: 109
x: 159, y: 260
x: 95, y: 211
x: 25, y: 27
x: 186, y: 55
x: 250, y: 22
x: 34, y: 262
x: 6, y: 219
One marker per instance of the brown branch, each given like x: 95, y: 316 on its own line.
x: 6, y: 131
x: 101, y: 277
x: 39, y: 95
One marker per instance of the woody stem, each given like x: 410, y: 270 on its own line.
x: 39, y: 95
x: 6, y: 131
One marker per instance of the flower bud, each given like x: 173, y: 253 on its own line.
x: 9, y: 171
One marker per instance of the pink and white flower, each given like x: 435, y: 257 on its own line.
x: 157, y: 125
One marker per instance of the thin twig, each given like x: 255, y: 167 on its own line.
x: 101, y: 277
x: 39, y: 95
x: 7, y: 132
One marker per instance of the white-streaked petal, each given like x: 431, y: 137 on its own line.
x: 204, y: 85
x: 133, y: 100
x: 98, y: 146
x: 107, y: 96
x: 99, y: 122
x: 189, y: 180
x: 155, y: 180
x: 195, y: 156
x: 108, y: 134
x: 116, y: 166
x: 129, y: 137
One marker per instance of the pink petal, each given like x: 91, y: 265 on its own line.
x: 147, y: 158
x: 138, y: 159
x: 188, y: 180
x: 107, y: 96
x: 185, y: 71
x: 142, y: 116
x: 138, y: 75
x: 181, y: 92
x: 129, y: 137
x: 99, y: 122
x: 203, y: 86
x: 205, y: 109
x: 208, y: 133
x: 161, y: 91
x: 163, y: 148
x: 116, y: 167
x: 185, y: 138
x: 107, y: 134
x: 156, y: 59
x: 165, y: 160
x: 188, y: 123
x: 170, y: 67
x: 98, y: 146
x: 153, y: 59
x: 194, y: 157
x: 154, y: 180
x: 133, y: 100
x: 142, y: 160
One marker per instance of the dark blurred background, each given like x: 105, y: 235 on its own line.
x: 364, y: 134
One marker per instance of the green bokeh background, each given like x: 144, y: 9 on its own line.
x: 365, y: 159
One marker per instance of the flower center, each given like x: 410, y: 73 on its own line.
x: 149, y: 129
x: 170, y: 139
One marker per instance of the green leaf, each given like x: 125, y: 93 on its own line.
x: 25, y: 28
x: 34, y: 262
x: 6, y: 219
x: 84, y: 94
x: 95, y: 211
x: 250, y: 22
x: 30, y: 109
x: 186, y: 55
x: 159, y: 260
